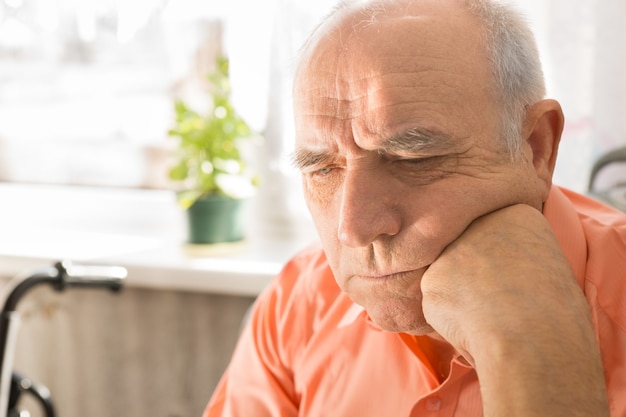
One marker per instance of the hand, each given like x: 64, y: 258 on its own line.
x: 504, y: 296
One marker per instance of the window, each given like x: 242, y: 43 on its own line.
x: 86, y: 86
x: 84, y: 91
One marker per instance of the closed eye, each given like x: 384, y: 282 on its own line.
x: 422, y: 170
x: 425, y: 160
x: 323, y: 171
x: 415, y: 160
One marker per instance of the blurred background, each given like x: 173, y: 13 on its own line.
x: 86, y: 86
x: 86, y: 101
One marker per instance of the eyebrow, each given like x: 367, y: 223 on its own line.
x: 411, y: 141
x: 303, y: 158
x: 417, y: 140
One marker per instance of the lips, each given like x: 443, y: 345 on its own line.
x: 389, y: 276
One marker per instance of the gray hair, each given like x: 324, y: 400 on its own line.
x: 515, y: 64
x: 518, y: 76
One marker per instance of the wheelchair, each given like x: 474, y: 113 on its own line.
x: 63, y: 275
x: 616, y: 195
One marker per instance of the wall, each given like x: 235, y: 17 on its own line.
x: 141, y: 353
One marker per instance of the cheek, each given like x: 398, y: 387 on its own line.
x: 439, y: 215
x: 322, y: 195
x: 325, y: 215
x: 321, y: 206
x: 433, y: 225
x: 449, y: 210
x: 320, y: 190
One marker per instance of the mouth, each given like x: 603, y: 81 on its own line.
x: 401, y: 275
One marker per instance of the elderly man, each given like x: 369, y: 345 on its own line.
x: 453, y: 278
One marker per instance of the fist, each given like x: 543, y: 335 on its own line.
x: 504, y: 279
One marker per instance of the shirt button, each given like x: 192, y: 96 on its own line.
x: 433, y: 404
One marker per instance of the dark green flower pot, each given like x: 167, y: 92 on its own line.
x: 215, y: 219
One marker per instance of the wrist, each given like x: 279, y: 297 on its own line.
x: 522, y: 374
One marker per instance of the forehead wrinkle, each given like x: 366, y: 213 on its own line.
x: 341, y: 100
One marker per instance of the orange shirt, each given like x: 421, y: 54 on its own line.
x: 308, y: 350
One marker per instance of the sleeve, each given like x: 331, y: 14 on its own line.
x: 259, y: 379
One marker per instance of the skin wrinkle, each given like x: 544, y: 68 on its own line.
x: 349, y: 102
x: 335, y: 114
x: 412, y: 143
x: 389, y: 74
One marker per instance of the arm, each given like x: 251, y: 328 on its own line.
x: 257, y: 381
x: 504, y: 295
x: 251, y: 387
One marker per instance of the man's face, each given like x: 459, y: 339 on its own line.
x: 398, y: 141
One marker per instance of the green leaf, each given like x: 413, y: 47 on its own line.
x: 211, y: 140
x: 179, y: 172
x: 187, y: 198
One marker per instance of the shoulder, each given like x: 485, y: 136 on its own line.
x: 604, y: 231
x: 605, y: 235
x: 605, y: 285
x: 305, y: 276
x: 596, y: 217
x: 601, y: 229
x: 298, y: 303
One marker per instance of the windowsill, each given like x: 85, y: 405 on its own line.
x: 141, y: 230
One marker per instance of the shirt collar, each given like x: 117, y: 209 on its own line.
x: 568, y: 230
x: 352, y: 314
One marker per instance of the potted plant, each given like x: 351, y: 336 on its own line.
x: 213, y: 177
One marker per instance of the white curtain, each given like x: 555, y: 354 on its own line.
x: 569, y: 57
x: 279, y: 206
x: 583, y: 44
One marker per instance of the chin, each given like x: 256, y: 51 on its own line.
x: 417, y: 329
x: 400, y: 321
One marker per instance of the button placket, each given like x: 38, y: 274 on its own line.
x: 443, y: 401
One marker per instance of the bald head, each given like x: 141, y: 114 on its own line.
x: 482, y: 37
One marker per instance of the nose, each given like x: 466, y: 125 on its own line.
x: 370, y: 208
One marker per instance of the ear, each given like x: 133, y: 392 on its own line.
x: 542, y: 132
